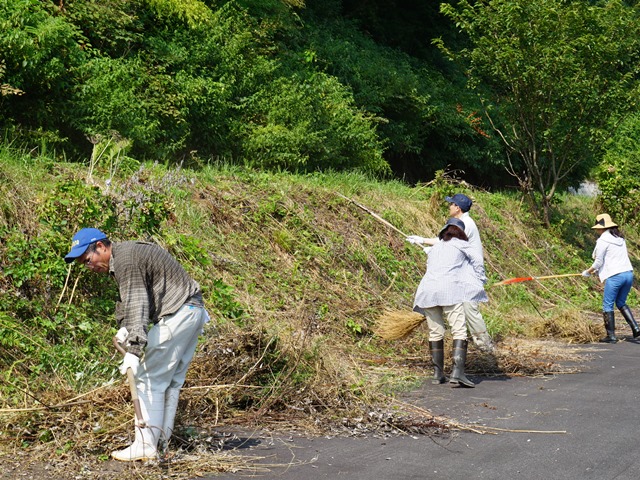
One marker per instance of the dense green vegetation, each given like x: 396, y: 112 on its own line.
x: 560, y: 74
x: 271, y: 84
x: 328, y: 85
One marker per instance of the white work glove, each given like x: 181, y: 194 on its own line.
x: 426, y: 249
x: 122, y: 335
x: 416, y: 239
x: 586, y: 273
x: 129, y: 361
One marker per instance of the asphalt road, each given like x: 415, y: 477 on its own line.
x: 594, y: 412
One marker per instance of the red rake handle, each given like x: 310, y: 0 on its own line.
x: 525, y: 279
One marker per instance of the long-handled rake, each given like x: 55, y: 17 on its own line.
x: 374, y: 215
x: 525, y: 279
x: 132, y: 387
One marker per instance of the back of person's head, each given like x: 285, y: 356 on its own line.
x: 604, y: 222
x: 454, y: 228
x: 615, y: 231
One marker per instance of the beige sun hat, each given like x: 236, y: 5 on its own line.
x: 604, y: 221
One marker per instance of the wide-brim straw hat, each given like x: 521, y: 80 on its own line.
x: 604, y: 221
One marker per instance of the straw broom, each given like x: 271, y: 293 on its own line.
x: 397, y: 324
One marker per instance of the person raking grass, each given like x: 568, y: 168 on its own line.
x: 459, y: 206
x: 611, y: 261
x: 160, y: 314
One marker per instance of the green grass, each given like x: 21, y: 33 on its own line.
x: 294, y: 275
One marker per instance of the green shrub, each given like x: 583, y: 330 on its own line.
x: 310, y: 123
x: 618, y: 175
x: 40, y: 51
x: 135, y: 99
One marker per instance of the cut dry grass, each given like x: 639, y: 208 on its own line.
x: 528, y: 357
x: 397, y: 324
x: 84, y: 430
x: 569, y: 325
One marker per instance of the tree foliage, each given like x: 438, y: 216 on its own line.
x: 38, y: 50
x: 618, y: 175
x: 328, y: 85
x: 558, y: 70
x: 179, y: 79
x: 271, y: 83
x: 423, y: 113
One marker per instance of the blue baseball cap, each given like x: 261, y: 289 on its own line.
x: 81, y: 241
x: 460, y: 200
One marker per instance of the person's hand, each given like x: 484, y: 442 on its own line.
x: 426, y: 249
x: 586, y: 273
x: 416, y: 239
x: 129, y: 361
x: 122, y: 335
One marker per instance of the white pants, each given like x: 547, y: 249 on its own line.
x: 171, y: 344
x: 455, y: 317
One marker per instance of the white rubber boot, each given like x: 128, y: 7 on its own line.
x: 146, y: 438
x: 171, y: 397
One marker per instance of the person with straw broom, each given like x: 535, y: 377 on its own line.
x: 455, y: 274
x: 611, y: 261
x: 459, y: 206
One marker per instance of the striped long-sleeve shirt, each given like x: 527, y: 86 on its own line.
x: 152, y: 285
x: 455, y: 274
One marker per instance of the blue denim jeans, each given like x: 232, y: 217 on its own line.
x: 616, y: 289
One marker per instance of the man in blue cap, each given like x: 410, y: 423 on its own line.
x: 160, y: 314
x: 459, y: 206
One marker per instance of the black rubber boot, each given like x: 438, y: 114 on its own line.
x: 437, y: 357
x: 610, y: 327
x: 628, y: 316
x: 459, y: 360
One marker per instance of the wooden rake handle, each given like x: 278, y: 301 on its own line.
x: 374, y: 215
x: 132, y: 386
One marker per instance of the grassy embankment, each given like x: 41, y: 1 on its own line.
x: 294, y: 276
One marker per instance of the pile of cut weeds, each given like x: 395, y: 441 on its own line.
x: 218, y: 406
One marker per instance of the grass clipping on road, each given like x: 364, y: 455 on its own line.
x: 78, y: 434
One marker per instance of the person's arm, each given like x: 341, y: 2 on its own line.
x: 476, y: 261
x: 132, y: 311
x: 598, y: 259
x: 417, y: 239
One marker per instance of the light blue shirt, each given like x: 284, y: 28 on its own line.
x: 455, y: 274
